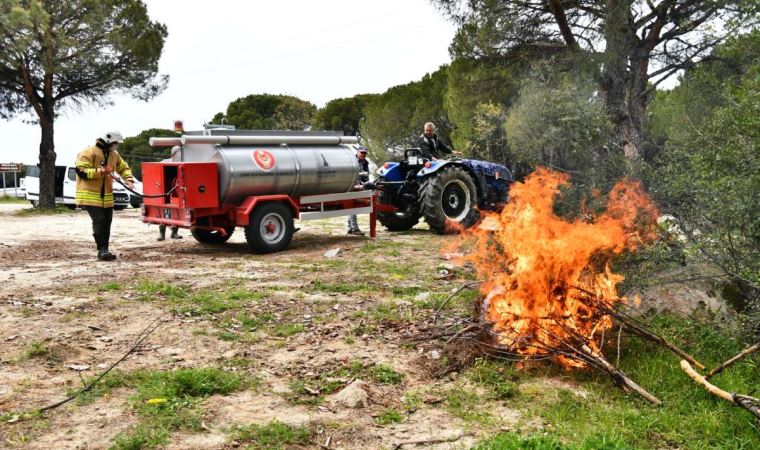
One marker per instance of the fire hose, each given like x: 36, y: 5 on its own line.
x: 119, y: 180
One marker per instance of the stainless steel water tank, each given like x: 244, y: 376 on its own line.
x: 266, y: 165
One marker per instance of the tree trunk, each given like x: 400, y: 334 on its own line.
x: 636, y: 105
x: 47, y: 163
x: 621, y: 81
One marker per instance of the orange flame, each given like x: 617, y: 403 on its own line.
x: 533, y: 263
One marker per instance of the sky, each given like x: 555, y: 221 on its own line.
x: 219, y: 51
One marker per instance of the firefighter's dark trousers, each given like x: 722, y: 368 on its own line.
x: 101, y: 225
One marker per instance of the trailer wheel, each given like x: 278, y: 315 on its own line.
x: 270, y: 229
x: 397, y: 220
x: 211, y: 236
x: 449, y: 200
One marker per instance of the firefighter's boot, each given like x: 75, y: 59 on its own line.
x: 175, y: 234
x: 162, y: 233
x: 103, y: 253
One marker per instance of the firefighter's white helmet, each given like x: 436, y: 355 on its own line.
x: 112, y: 137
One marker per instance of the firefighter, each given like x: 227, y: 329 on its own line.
x: 95, y: 166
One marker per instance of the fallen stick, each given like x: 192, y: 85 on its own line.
x: 619, y: 376
x: 746, y: 352
x: 141, y: 337
x: 751, y: 404
x: 608, y: 308
x: 466, y: 285
x: 453, y: 438
x: 657, y: 339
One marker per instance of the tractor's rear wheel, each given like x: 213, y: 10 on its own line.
x: 397, y: 220
x: 270, y: 228
x: 449, y: 200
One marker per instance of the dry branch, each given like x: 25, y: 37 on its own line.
x: 751, y: 404
x: 140, y: 338
x: 606, y: 307
x: 746, y: 352
x: 619, y: 376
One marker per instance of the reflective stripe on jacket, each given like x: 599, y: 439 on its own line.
x: 91, y: 188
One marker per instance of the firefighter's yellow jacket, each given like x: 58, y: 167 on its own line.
x: 94, y: 188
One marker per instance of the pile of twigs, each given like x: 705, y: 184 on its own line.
x: 579, y: 348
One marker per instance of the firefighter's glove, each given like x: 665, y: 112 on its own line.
x: 370, y: 186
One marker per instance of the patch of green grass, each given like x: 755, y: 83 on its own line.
x: 228, y: 336
x: 385, y: 374
x: 389, y: 312
x: 340, y: 288
x: 512, y: 441
x: 497, y: 377
x: 467, y: 405
x: 154, y: 290
x: 303, y: 392
x: 312, y: 391
x: 412, y: 400
x: 205, y: 301
x: 254, y: 323
x: 406, y: 291
x: 288, y: 329
x: 58, y: 209
x: 110, y: 286
x: 389, y: 416
x: 167, y: 400
x: 390, y: 248
x: 8, y: 199
x: 271, y: 436
x: 690, y: 418
x: 34, y: 349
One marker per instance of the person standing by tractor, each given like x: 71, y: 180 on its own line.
x: 431, y: 146
x: 95, y: 167
x: 361, y: 156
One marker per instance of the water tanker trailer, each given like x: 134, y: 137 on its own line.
x: 218, y: 180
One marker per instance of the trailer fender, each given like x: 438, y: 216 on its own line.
x: 243, y: 212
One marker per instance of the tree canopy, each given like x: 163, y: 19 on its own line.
x: 394, y: 119
x: 137, y: 150
x: 343, y: 114
x: 58, y: 54
x: 636, y: 43
x: 268, y: 112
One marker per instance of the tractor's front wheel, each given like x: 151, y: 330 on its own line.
x: 449, y: 200
x: 270, y: 228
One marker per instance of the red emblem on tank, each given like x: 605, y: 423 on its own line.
x: 264, y: 159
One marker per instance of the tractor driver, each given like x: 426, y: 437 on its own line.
x: 431, y: 146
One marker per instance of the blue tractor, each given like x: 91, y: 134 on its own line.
x: 448, y: 194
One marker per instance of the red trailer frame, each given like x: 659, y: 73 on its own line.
x: 186, y: 195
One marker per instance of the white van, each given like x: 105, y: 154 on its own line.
x: 66, y: 187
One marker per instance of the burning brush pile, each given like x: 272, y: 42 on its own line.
x: 548, y: 291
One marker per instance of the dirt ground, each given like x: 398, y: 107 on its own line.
x: 88, y: 314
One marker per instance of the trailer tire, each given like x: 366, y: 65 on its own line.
x: 211, y: 236
x: 449, y: 197
x: 270, y: 228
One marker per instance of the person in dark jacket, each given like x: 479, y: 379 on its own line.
x: 361, y: 156
x: 431, y: 146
